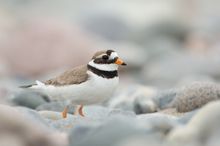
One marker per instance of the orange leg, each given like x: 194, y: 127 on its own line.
x: 79, y: 110
x: 65, y: 111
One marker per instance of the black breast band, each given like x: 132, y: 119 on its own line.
x: 104, y: 74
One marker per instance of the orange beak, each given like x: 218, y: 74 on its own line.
x: 120, y: 62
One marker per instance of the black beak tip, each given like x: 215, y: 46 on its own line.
x: 124, y: 64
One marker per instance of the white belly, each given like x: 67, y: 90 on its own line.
x: 95, y: 90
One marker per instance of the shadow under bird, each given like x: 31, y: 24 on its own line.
x: 84, y: 85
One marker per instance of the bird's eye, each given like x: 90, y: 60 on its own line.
x: 105, y: 57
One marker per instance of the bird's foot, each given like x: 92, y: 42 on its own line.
x: 79, y: 111
x: 65, y: 111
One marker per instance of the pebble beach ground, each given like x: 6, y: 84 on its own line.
x: 168, y: 94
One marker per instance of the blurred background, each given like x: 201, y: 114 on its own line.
x: 165, y: 43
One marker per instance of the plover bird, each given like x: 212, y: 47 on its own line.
x: 84, y: 85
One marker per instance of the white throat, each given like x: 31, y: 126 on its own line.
x: 104, y: 67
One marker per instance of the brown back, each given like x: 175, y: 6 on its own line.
x: 74, y: 76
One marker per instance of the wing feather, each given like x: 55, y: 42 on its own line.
x: 74, y: 76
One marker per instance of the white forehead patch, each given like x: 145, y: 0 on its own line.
x: 113, y: 55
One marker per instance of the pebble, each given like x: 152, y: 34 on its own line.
x: 29, y: 99
x: 201, y: 129
x: 195, y: 96
x: 186, y: 117
x: 161, y: 51
x: 19, y: 129
x: 165, y: 97
x: 32, y: 115
x: 145, y: 105
x: 158, y: 122
x: 57, y: 122
x: 94, y: 115
x: 142, y: 141
x: 112, y: 131
x: 103, y: 112
x: 135, y: 98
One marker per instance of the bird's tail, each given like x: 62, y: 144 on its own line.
x: 38, y: 84
x: 27, y: 86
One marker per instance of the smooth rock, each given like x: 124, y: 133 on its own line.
x: 19, y: 129
x: 158, y: 122
x: 142, y: 141
x: 214, y: 139
x: 33, y: 115
x: 103, y: 112
x: 165, y: 97
x: 186, y: 117
x: 110, y: 133
x: 201, y: 129
x: 195, y: 96
x: 94, y: 115
x: 29, y: 99
x: 56, y: 121
x: 135, y: 98
x: 145, y: 105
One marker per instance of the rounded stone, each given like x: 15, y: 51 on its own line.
x: 135, y: 98
x: 195, y: 96
x: 29, y: 99
x: 202, y: 128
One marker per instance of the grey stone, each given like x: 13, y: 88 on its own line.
x: 119, y: 130
x: 184, y: 119
x: 195, y: 96
x: 135, y: 98
x: 19, y: 129
x: 143, y: 141
x: 33, y: 115
x: 56, y: 121
x: 214, y: 139
x: 158, y: 122
x: 201, y: 129
x: 103, y: 112
x: 145, y: 105
x: 165, y: 97
x: 94, y: 115
x: 29, y: 99
x: 110, y: 133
